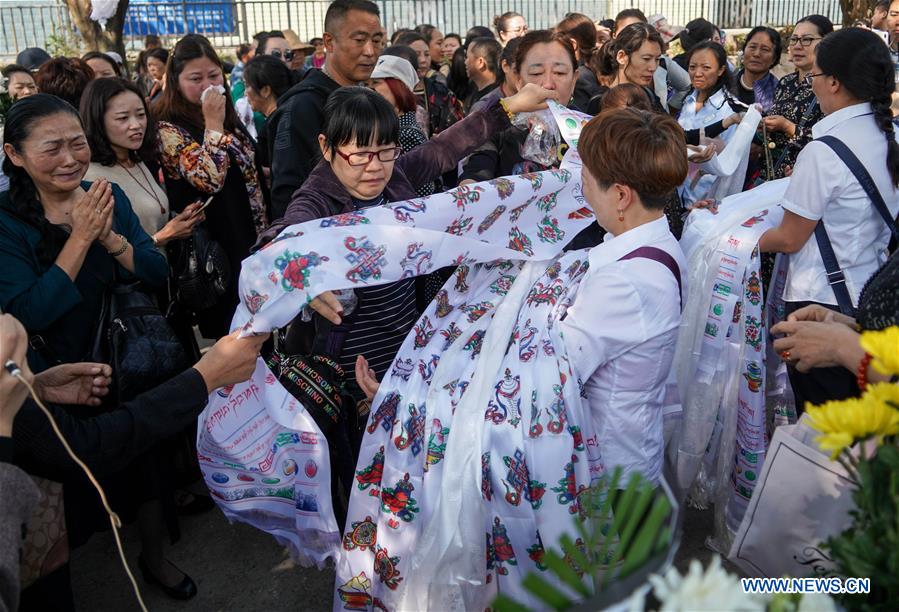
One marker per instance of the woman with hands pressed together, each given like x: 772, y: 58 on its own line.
x: 63, y: 241
x: 122, y: 138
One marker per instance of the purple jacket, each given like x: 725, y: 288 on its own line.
x: 322, y: 194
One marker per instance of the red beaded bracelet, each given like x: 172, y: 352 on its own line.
x: 861, y: 375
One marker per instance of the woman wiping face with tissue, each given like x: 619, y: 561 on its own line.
x: 205, y: 151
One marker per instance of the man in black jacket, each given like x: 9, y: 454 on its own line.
x: 352, y: 38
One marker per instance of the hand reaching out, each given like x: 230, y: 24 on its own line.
x: 366, y: 379
x: 83, y: 384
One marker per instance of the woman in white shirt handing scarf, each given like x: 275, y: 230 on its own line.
x: 555, y: 375
x: 853, y: 80
x: 710, y: 106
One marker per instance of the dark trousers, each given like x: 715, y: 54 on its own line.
x: 820, y: 384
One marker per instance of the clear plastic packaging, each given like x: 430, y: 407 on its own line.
x: 346, y: 297
x: 543, y: 139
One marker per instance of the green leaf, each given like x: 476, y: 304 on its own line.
x: 504, y: 603
x: 648, y: 537
x: 546, y: 592
x: 565, y: 572
x: 575, y: 554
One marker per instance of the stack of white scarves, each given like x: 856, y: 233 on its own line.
x: 724, y: 174
x: 733, y: 389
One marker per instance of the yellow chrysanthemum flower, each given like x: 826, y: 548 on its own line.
x: 845, y: 422
x: 883, y: 346
x: 883, y: 392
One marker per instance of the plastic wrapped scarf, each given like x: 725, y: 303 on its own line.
x: 724, y: 362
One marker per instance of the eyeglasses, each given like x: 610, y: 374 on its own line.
x: 363, y: 158
x: 518, y: 30
x: 805, y: 41
x: 810, y: 76
x: 288, y: 55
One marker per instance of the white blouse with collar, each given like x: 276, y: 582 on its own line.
x: 620, y: 334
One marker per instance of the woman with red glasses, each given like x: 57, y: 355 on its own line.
x: 362, y: 167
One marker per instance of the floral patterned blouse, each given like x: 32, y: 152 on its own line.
x: 205, y: 165
x: 791, y: 100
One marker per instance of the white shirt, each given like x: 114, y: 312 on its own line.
x: 620, y: 334
x: 714, y: 109
x: 822, y: 186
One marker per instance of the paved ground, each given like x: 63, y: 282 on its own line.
x: 263, y: 579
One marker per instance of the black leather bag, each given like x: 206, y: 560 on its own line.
x: 137, y: 341
x: 203, y: 272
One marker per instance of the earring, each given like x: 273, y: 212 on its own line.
x: 620, y: 215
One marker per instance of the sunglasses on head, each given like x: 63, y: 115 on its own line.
x: 288, y: 55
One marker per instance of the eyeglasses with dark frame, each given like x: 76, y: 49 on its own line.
x: 810, y: 76
x: 363, y: 158
x: 805, y: 41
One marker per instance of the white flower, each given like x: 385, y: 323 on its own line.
x: 712, y: 589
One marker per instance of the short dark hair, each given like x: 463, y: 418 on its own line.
x: 650, y: 159
x: 318, y: 40
x: 695, y: 32
x: 508, y: 54
x: 160, y: 53
x: 268, y: 71
x: 629, y: 13
x: 537, y: 37
x: 242, y: 50
x: 338, y: 9
x: 724, y: 81
x: 263, y: 40
x: 822, y: 23
x: 407, y: 38
x: 629, y: 40
x: 490, y: 50
x: 407, y: 53
x: 476, y: 32
x: 11, y: 69
x: 359, y: 115
x: 453, y: 35
x: 427, y: 30
x: 102, y: 56
x: 151, y: 40
x: 94, y: 104
x: 501, y: 21
x: 625, y: 95
x: 64, y: 77
x: 883, y: 4
x: 776, y: 42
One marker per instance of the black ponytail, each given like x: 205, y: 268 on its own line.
x: 860, y: 61
x: 23, y: 196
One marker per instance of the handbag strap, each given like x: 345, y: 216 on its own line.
x: 835, y: 276
x: 864, y: 178
x: 662, y: 257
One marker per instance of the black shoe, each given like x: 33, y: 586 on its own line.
x: 186, y: 589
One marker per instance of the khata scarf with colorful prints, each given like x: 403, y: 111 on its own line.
x: 485, y: 362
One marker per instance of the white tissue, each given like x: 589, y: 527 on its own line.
x: 219, y: 88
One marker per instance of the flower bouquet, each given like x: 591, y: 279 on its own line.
x: 868, y: 547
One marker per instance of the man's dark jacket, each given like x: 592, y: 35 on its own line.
x: 293, y: 136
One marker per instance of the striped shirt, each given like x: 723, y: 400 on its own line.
x: 383, y: 316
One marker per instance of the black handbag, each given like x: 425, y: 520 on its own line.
x: 137, y: 341
x: 204, y: 272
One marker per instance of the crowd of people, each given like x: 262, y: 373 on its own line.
x: 163, y: 177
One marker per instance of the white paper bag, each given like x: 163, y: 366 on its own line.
x: 802, y: 498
